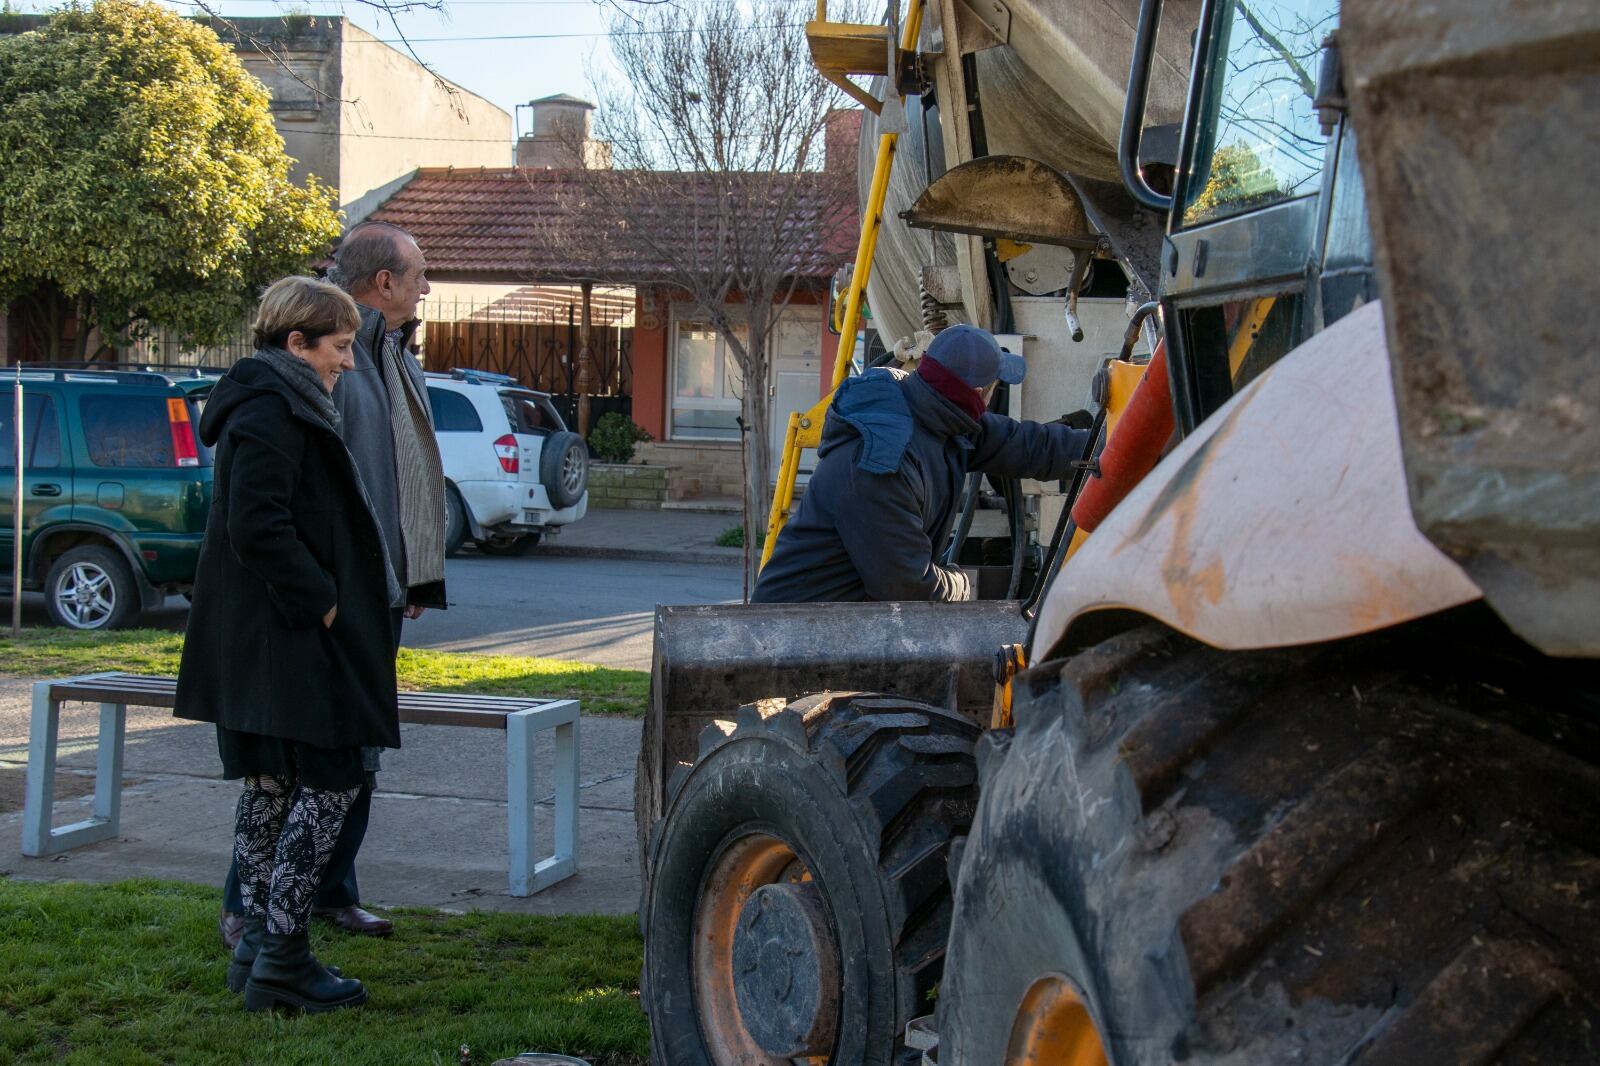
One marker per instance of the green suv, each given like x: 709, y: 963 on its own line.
x: 116, y: 488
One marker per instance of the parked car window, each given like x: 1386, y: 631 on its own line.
x: 126, y: 431
x: 41, y: 432
x: 552, y: 417
x: 527, y: 416
x: 453, y: 412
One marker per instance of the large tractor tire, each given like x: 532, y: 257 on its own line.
x: 800, y: 898
x: 1379, y: 851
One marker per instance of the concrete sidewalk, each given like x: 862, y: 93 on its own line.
x: 671, y: 536
x: 438, y: 831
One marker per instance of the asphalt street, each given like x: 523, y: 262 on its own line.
x: 597, y: 611
x: 594, y: 610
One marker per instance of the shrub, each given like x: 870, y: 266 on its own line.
x: 733, y: 537
x: 614, y: 438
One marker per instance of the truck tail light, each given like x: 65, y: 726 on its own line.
x: 506, y: 450
x: 184, y: 450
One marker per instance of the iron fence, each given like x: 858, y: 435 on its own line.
x: 533, y: 335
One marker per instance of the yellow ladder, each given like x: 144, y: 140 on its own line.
x: 838, y: 50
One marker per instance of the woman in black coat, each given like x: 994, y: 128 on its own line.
x: 289, y: 644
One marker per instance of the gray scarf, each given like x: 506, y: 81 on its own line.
x: 418, y: 471
x: 306, y: 383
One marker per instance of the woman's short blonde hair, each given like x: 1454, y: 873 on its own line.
x: 305, y: 305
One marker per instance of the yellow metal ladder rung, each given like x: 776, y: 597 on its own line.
x: 848, y: 48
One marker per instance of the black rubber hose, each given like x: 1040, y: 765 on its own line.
x: 1012, y: 490
x: 1065, y: 528
x: 958, y: 535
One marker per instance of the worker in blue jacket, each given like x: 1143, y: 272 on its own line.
x: 895, y: 450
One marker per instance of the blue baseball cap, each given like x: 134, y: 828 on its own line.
x: 974, y: 356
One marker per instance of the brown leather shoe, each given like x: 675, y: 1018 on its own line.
x: 353, y: 919
x: 231, y: 926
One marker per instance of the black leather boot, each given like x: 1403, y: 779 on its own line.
x: 286, y: 974
x: 244, y: 954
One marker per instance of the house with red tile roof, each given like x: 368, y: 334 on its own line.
x: 518, y: 244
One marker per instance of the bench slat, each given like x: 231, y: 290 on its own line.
x: 437, y: 716
x: 416, y: 708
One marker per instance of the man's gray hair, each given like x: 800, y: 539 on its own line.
x: 368, y: 248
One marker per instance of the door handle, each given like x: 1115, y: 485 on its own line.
x: 46, y: 490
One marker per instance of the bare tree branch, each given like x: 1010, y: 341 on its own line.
x: 1272, y: 41
x: 390, y: 9
x: 717, y: 189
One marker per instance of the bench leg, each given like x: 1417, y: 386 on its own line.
x: 38, y: 838
x: 520, y: 801
x: 527, y: 875
x: 566, y: 815
x: 41, y: 780
x: 108, y: 765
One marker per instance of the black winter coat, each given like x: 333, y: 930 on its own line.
x: 289, y: 536
x: 860, y: 535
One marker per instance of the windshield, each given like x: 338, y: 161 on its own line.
x: 1258, y: 141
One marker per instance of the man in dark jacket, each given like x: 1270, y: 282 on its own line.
x: 895, y: 450
x: 388, y: 427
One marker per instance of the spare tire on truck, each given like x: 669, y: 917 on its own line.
x: 1375, y: 851
x: 799, y: 901
x: 564, y: 468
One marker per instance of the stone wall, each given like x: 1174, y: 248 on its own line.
x: 627, y: 487
x: 698, y: 468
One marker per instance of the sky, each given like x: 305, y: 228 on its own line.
x: 474, y: 43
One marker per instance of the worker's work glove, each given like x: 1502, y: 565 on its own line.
x: 963, y: 584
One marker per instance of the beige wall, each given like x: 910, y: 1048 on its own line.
x: 397, y: 117
x: 305, y: 98
x: 362, y: 116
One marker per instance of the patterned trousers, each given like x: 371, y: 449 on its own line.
x: 282, y: 839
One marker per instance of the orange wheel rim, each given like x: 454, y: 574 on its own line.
x: 748, y: 864
x: 1053, y: 1028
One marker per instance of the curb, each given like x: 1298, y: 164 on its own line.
x: 728, y: 557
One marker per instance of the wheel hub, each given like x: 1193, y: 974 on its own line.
x: 85, y: 595
x: 786, y: 970
x: 1053, y: 1028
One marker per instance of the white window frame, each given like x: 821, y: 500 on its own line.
x: 686, y: 313
x: 683, y: 314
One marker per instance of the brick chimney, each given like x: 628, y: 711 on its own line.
x: 562, y: 136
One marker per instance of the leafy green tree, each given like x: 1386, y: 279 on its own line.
x: 141, y: 181
x: 1237, y: 180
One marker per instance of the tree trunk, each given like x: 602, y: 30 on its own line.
x: 52, y: 318
x: 80, y: 336
x: 586, y: 382
x: 757, y: 439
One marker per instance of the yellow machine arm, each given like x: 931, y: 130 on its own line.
x: 834, y: 63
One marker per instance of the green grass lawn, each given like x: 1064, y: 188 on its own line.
x: 133, y: 973
x: 50, y: 652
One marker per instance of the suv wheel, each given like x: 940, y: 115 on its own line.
x: 91, y: 587
x: 455, y: 524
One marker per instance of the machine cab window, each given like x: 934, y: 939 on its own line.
x: 1257, y: 140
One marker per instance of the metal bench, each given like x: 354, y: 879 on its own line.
x: 115, y: 693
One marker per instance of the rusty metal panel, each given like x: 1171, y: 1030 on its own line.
x: 1283, y: 520
x: 1006, y: 196
x: 1479, y: 139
